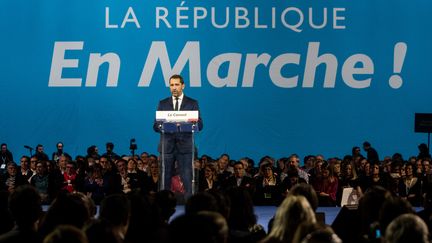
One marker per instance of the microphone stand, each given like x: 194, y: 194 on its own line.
x: 30, y: 150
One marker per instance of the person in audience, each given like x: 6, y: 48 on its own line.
x: 309, y: 163
x: 110, y: 154
x: 326, y: 186
x: 391, y: 209
x: 126, y: 184
x: 166, y: 201
x: 293, y: 211
x: 6, y: 156
x: 6, y: 222
x: 242, y: 221
x: 26, y: 209
x: 410, y: 187
x: 290, y: 181
x: 223, y: 168
x: 294, y: 160
x: 33, y: 160
x: 322, y: 234
x: 204, y: 226
x: 245, y: 161
x: 356, y: 152
x: 116, y: 210
x: 59, y: 152
x: 267, y: 186
x: 372, y: 154
x: 62, y: 163
x: 24, y: 168
x: 423, y: 151
x: 145, y: 222
x: 154, y: 177
x: 94, y: 185
x: 375, y: 179
x: 102, y: 231
x: 40, y: 154
x: 66, y: 209
x: 70, y: 177
x: 12, y: 178
x: 41, y: 181
x: 137, y: 178
x: 349, y: 179
x: 93, y: 152
x: 66, y: 234
x: 407, y: 228
x: 239, y: 180
x: 110, y: 176
x: 145, y: 158
x: 209, y: 180
x: 305, y: 190
x: 201, y: 201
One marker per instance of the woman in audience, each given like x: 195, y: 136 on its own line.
x: 326, y: 186
x: 410, y: 187
x: 267, y: 186
x: 293, y: 211
x: 209, y: 180
x: 154, y: 176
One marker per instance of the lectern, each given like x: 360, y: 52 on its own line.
x: 177, y: 129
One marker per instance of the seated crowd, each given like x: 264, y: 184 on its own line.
x: 134, y: 209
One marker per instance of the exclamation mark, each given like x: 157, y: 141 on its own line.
x: 400, y: 50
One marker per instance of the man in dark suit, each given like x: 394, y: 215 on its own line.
x: 177, y: 145
x: 240, y: 180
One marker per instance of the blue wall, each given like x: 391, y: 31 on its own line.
x: 278, y: 107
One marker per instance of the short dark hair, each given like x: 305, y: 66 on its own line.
x: 110, y: 145
x: 116, y: 209
x: 177, y: 76
x: 25, y: 205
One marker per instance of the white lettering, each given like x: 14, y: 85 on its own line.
x: 294, y: 27
x: 162, y: 14
x: 199, y: 14
x: 336, y: 17
x: 158, y: 53
x: 130, y: 17
x: 313, y: 61
x: 233, y: 60
x: 241, y: 14
x: 349, y: 70
x: 95, y: 61
x: 59, y: 62
x: 275, y: 70
x: 252, y: 61
x: 107, y: 18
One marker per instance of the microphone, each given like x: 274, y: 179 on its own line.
x: 28, y: 147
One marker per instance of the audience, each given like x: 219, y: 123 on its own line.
x: 133, y: 209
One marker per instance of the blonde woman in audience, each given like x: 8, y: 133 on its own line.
x: 293, y: 211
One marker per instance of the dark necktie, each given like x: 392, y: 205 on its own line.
x: 176, y: 108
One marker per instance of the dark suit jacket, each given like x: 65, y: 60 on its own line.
x: 180, y: 140
x: 246, y: 183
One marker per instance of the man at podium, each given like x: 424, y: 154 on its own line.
x: 176, y: 143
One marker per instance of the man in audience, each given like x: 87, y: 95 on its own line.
x: 25, y: 206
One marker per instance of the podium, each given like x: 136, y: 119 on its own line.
x: 177, y: 128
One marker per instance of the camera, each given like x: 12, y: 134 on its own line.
x: 133, y: 145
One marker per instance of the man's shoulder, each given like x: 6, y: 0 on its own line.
x: 189, y: 99
x: 167, y: 99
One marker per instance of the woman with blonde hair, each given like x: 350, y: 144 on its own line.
x: 293, y: 211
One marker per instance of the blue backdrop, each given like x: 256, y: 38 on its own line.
x: 271, y: 77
